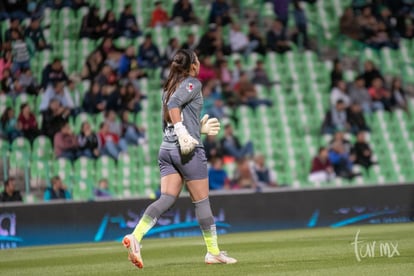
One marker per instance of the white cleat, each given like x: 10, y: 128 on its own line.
x: 134, y: 250
x: 221, y: 258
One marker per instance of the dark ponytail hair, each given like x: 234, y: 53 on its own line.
x: 179, y: 70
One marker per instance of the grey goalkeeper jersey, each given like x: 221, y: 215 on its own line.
x: 189, y: 100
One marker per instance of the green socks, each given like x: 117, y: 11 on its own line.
x: 143, y: 226
x: 210, y: 238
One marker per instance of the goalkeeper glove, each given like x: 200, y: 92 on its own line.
x: 209, y: 126
x: 186, y: 141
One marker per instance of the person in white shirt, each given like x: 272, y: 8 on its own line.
x: 338, y: 92
x: 56, y: 91
x: 239, y: 41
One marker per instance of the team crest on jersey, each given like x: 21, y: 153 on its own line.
x: 189, y: 87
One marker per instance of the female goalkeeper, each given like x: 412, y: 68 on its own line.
x: 182, y: 158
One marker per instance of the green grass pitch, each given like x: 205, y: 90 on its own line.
x: 319, y: 251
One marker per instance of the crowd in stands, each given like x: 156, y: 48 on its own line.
x: 378, y: 23
x: 350, y: 104
x: 114, y: 74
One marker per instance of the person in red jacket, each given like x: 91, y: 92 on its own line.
x: 159, y: 16
x: 110, y: 143
x: 322, y: 169
x: 27, y: 122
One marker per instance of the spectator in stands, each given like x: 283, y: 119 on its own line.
x: 237, y: 71
x: 28, y: 123
x: 128, y: 62
x: 75, y: 96
x: 356, y: 119
x: 6, y: 82
x: 65, y: 143
x: 359, y: 95
x: 53, y: 72
x: 91, y: 24
x: 93, y: 65
x: 14, y: 26
x: 341, y: 161
x: 20, y: 51
x: 209, y: 43
x: 10, y: 194
x: 264, y: 175
x: 110, y: 143
x: 281, y: 9
x: 127, y: 24
x: 88, y: 141
x: 255, y: 35
x: 223, y: 72
x: 340, y: 137
x: 109, y: 52
x: 130, y: 98
x: 368, y: 23
x: 260, y: 75
x: 220, y: 13
x: 114, y: 125
x: 301, y: 22
x: 212, y: 148
x: 183, y: 12
x: 29, y: 82
x: 56, y: 91
x: 380, y: 96
x: 348, y: 24
x: 102, y: 191
x: 9, y: 124
x: 132, y: 134
x: 148, y: 54
x: 110, y: 25
x: 370, y: 73
x: 398, y: 97
x: 389, y: 22
x: 172, y: 48
x: 336, y: 73
x: 217, y: 176
x: 243, y: 175
x: 231, y: 145
x: 339, y: 93
x: 93, y: 101
x: 6, y: 62
x: 58, y: 190
x: 239, y: 41
x: 35, y: 33
x: 190, y: 43
x: 53, y: 118
x: 321, y: 170
x: 335, y: 119
x: 362, y: 151
x: 207, y: 71
x: 159, y: 16
x: 16, y: 89
x: 248, y: 94
x: 276, y: 38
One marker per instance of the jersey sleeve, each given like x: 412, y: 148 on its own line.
x: 185, y: 92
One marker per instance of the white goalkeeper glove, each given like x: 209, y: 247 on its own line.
x: 186, y: 141
x: 209, y: 126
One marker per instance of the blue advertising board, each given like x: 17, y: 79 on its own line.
x: 71, y: 222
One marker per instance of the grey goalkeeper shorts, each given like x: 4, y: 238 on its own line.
x: 190, y: 167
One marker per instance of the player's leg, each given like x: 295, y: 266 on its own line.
x: 199, y: 194
x: 195, y: 172
x: 170, y: 188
